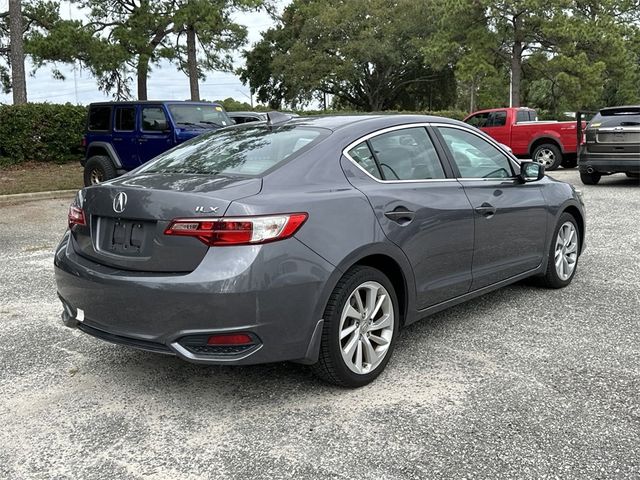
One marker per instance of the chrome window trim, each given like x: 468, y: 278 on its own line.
x: 345, y: 152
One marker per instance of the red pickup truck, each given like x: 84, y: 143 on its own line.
x: 550, y: 143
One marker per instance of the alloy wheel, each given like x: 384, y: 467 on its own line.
x: 366, y: 327
x: 96, y: 176
x: 545, y: 157
x: 566, y: 251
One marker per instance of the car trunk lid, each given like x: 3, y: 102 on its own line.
x: 126, y: 218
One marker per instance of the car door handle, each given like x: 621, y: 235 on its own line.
x: 141, y: 140
x: 486, y: 210
x: 400, y: 215
x: 117, y: 139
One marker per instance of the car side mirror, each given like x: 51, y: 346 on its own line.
x: 531, y: 171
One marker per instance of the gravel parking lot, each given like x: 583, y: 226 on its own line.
x: 520, y: 383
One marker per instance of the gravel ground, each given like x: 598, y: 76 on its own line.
x: 520, y: 383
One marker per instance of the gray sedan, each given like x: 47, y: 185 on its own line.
x: 313, y: 240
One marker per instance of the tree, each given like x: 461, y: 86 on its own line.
x: 17, y: 26
x: 361, y: 52
x: 207, y: 24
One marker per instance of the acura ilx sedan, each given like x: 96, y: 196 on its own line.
x: 313, y: 240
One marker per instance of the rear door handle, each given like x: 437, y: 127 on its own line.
x: 486, y: 210
x: 400, y: 215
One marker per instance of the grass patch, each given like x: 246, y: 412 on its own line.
x: 40, y: 177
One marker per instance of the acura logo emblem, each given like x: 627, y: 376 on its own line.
x: 120, y: 202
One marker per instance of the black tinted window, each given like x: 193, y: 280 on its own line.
x: 479, y: 120
x: 617, y: 117
x: 498, y: 119
x: 474, y: 156
x: 407, y: 154
x: 154, y: 119
x: 522, y: 116
x: 126, y: 118
x: 245, y: 150
x: 363, y: 157
x: 99, y: 118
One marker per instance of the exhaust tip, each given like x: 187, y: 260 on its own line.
x: 590, y: 170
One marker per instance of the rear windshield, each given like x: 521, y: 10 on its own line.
x: 617, y: 117
x: 190, y: 114
x: 241, y: 150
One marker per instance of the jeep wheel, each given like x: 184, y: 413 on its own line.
x: 548, y: 155
x: 98, y: 169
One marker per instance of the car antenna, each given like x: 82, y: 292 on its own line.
x: 276, y: 118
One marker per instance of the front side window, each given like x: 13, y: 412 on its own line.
x: 407, y: 154
x: 474, y: 156
x: 126, y: 119
x: 154, y: 119
x: 199, y: 114
x: 479, y: 120
x: 99, y: 118
x: 245, y: 151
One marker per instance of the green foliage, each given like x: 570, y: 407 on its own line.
x: 41, y: 131
x: 361, y: 52
x: 233, y: 105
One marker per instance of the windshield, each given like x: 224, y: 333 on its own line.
x: 199, y: 114
x: 241, y: 150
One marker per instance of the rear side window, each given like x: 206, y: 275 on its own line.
x: 100, y: 119
x: 125, y: 119
x: 363, y: 157
x: 497, y: 119
x: 245, y: 151
x: 407, y: 154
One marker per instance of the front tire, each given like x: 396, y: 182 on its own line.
x: 98, y: 169
x: 361, y: 323
x: 590, y: 178
x: 563, y: 253
x: 548, y: 155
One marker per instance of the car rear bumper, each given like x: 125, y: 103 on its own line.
x: 272, y: 292
x: 608, y: 162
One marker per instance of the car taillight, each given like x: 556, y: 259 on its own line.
x: 76, y: 216
x: 239, y: 230
x: 83, y: 142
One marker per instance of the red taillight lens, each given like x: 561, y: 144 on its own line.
x: 238, y: 231
x: 230, y: 339
x: 83, y: 142
x: 76, y: 216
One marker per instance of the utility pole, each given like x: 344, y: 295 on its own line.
x: 16, y: 53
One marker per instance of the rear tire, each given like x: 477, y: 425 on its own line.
x: 547, y: 154
x: 349, y: 331
x: 563, y: 254
x: 98, y: 169
x: 590, y: 178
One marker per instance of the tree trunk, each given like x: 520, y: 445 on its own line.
x: 143, y: 72
x: 192, y: 64
x: 18, y: 79
x: 516, y: 64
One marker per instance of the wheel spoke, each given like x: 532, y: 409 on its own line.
x: 379, y: 340
x: 359, y: 355
x: 347, y: 331
x: 356, y: 294
x: 371, y: 356
x: 371, y: 301
x: 384, y: 322
x: 376, y: 309
x: 351, y: 347
x: 352, y: 312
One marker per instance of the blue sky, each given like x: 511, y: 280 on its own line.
x: 164, y: 81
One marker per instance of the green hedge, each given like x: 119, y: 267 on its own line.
x: 49, y: 132
x: 41, y: 131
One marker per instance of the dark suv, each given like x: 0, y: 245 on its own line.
x: 123, y: 135
x: 612, y: 144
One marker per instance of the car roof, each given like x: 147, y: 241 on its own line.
x: 253, y: 114
x: 373, y: 121
x: 154, y: 102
